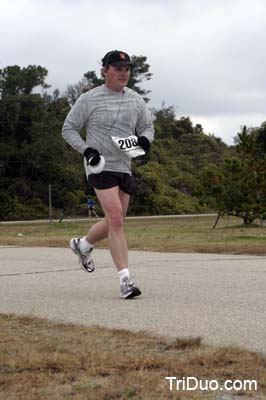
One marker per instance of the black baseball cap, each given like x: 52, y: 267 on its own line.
x: 116, y: 57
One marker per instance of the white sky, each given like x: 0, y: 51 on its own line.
x: 208, y: 56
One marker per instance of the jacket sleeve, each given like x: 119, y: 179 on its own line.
x: 144, y: 124
x: 74, y: 122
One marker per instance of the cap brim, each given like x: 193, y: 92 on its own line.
x: 121, y: 63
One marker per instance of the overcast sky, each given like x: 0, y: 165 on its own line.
x: 207, y: 57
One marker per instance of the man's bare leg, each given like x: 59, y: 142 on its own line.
x: 99, y: 231
x: 114, y: 203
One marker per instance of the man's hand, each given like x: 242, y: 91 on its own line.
x: 94, y: 162
x: 144, y: 143
x: 92, y: 156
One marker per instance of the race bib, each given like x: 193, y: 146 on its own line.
x: 129, y: 146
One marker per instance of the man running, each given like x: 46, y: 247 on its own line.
x: 112, y: 114
x: 91, y: 208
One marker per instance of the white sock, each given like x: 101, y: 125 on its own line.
x: 84, y: 245
x: 123, y: 273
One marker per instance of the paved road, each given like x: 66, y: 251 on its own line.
x: 218, y: 297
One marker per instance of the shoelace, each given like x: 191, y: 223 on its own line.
x: 128, y: 282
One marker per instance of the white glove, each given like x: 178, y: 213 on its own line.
x: 94, y: 169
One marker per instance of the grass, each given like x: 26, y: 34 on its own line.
x: 47, y: 361
x: 43, y: 360
x: 168, y: 235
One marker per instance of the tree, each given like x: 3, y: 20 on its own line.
x: 261, y: 140
x: 139, y: 74
x: 33, y: 152
x: 167, y: 184
x: 90, y: 80
x: 17, y: 81
x: 238, y: 186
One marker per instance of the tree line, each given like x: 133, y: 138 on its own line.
x: 188, y: 171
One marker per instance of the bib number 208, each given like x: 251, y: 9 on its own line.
x: 127, y: 143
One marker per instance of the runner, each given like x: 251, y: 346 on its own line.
x: 112, y: 114
x: 91, y: 208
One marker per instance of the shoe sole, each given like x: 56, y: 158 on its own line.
x: 136, y: 292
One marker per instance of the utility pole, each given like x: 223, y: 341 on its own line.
x: 50, y: 203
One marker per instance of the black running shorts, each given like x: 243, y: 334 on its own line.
x: 109, y: 179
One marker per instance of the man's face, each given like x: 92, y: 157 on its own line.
x: 116, y: 77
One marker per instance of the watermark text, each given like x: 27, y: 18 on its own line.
x: 192, y: 383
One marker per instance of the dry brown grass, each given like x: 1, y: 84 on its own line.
x: 42, y: 360
x: 168, y: 235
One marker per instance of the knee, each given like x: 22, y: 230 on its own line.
x: 115, y: 219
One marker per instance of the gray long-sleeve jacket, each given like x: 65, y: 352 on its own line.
x: 105, y: 113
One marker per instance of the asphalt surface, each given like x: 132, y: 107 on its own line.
x: 220, y: 298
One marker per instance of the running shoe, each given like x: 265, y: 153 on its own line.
x: 85, y: 260
x: 128, y: 289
